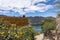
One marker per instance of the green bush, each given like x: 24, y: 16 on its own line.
x: 48, y: 24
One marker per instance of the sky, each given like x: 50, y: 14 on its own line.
x: 29, y: 7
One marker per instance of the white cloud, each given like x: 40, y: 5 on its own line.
x: 40, y: 8
x: 57, y: 4
x: 17, y: 5
x: 35, y: 1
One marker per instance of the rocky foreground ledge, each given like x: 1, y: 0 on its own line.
x: 41, y: 36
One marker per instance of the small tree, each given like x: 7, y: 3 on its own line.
x: 24, y: 16
x: 47, y: 25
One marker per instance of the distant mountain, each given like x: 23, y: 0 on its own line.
x: 51, y: 17
x: 35, y: 19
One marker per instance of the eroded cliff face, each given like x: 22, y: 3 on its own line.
x: 58, y: 27
x: 58, y: 23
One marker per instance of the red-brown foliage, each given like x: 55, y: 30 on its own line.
x: 19, y: 21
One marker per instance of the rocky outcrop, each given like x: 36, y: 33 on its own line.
x: 58, y: 27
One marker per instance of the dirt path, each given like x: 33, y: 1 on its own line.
x: 39, y: 37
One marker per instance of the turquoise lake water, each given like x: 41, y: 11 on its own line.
x: 36, y: 27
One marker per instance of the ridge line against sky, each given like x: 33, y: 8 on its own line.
x: 29, y: 7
